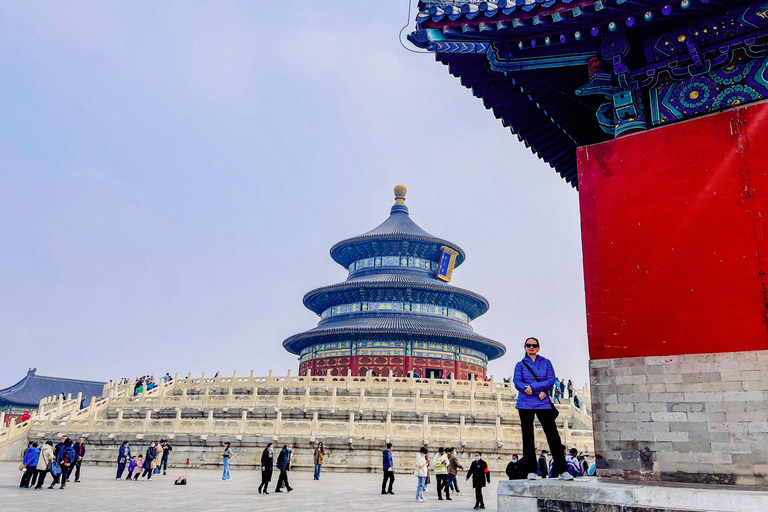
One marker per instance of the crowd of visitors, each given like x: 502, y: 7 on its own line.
x: 39, y: 460
x: 147, y: 382
x: 538, y: 390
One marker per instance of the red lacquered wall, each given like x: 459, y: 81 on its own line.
x: 673, y: 224
x: 400, y: 366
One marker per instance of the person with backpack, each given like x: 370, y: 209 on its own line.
x: 267, y: 459
x: 29, y: 462
x: 533, y: 376
x: 284, y: 465
x: 44, y: 463
x: 440, y: 465
x: 66, y: 459
x: 480, y: 475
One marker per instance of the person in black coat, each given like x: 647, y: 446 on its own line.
x: 480, y: 475
x: 284, y: 465
x: 148, y: 460
x: 514, y: 469
x: 267, y: 459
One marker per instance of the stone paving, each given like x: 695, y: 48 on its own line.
x: 99, y: 491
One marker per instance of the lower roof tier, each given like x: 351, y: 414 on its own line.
x: 395, y: 327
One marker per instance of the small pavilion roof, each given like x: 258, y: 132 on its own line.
x: 33, y: 388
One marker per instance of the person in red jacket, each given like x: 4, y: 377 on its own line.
x: 25, y: 416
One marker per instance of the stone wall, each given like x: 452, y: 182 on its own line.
x: 690, y: 418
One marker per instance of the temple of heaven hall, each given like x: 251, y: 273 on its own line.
x: 396, y: 311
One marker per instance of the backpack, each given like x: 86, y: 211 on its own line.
x: 55, y: 468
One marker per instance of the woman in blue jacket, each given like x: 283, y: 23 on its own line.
x: 534, y: 375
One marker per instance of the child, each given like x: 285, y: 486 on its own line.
x: 132, y: 464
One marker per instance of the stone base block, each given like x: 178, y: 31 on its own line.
x: 693, y: 418
x: 598, y: 495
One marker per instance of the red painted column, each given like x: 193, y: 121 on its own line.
x: 673, y: 223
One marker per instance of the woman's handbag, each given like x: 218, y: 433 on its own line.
x: 555, y: 412
x: 153, y: 464
x: 55, y: 468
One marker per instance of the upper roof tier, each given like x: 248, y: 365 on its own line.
x: 396, y: 236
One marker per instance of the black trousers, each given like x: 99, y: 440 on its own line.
x: 556, y: 448
x: 282, y: 479
x: 147, y: 473
x: 77, y: 469
x: 27, y: 476
x: 65, y: 471
x: 442, y: 483
x: 479, y: 497
x: 120, y: 469
x: 164, y: 463
x: 40, y: 478
x: 388, y: 476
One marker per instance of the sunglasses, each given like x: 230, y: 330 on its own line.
x: 528, y: 345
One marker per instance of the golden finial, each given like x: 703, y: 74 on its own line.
x: 400, y: 192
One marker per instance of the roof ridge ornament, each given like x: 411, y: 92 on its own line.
x: 399, y: 206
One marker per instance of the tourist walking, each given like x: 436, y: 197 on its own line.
x: 123, y: 454
x: 389, y: 470
x: 267, y: 459
x: 284, y: 465
x: 66, y: 458
x: 533, y: 376
x: 228, y: 454
x: 453, y: 467
x: 167, y: 449
x: 440, y: 467
x: 150, y: 461
x: 421, y: 472
x: 480, y: 475
x: 319, y: 456
x: 79, y: 448
x: 29, y: 461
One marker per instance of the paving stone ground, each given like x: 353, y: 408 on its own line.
x: 99, y: 491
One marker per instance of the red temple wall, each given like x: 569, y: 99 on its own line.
x: 399, y: 365
x: 673, y: 224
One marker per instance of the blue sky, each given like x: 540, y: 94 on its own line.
x: 173, y: 175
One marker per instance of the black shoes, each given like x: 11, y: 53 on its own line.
x: 383, y: 492
x: 278, y: 490
x: 289, y: 489
x: 448, y: 498
x: 390, y: 492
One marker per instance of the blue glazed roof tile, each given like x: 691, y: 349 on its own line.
x: 31, y: 389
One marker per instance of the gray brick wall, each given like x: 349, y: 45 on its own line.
x: 688, y: 418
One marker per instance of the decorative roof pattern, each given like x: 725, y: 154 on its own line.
x: 33, y: 388
x: 529, y: 61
